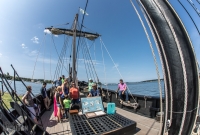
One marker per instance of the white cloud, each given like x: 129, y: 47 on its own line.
x: 1, y: 55
x: 35, y: 40
x: 47, y: 61
x: 1, y: 42
x: 47, y: 31
x: 24, y: 46
x: 33, y: 53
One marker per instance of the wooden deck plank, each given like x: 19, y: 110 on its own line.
x: 53, y: 127
x: 145, y: 126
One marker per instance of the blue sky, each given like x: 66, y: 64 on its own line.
x: 22, y: 35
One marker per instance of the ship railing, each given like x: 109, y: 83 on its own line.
x: 16, y: 99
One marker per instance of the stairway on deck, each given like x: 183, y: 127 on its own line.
x: 145, y: 126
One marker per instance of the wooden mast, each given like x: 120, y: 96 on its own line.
x: 74, y: 50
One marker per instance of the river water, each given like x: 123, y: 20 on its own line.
x: 141, y: 88
x: 21, y: 89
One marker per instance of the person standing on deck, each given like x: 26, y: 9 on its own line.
x: 28, y: 101
x: 55, y: 102
x: 94, y: 91
x: 45, y: 97
x: 74, y: 94
x: 58, y: 103
x: 65, y: 88
x: 122, y: 88
x: 58, y: 82
x: 66, y: 103
x: 63, y: 79
x: 90, y: 85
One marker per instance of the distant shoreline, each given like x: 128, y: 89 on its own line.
x: 153, y: 80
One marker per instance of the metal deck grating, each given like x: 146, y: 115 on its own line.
x: 82, y: 128
x: 80, y: 125
x: 76, y: 118
x: 120, y: 119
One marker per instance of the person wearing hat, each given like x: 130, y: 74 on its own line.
x: 94, y: 91
x: 90, y: 84
x: 63, y: 79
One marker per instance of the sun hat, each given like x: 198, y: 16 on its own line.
x: 90, y: 79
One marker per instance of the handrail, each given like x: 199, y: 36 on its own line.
x: 23, y: 82
x: 23, y: 111
x: 2, y: 106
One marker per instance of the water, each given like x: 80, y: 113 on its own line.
x: 142, y: 88
x: 21, y: 89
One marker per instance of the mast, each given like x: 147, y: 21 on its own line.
x: 74, y: 50
x: 73, y: 32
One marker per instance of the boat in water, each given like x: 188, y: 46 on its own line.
x: 175, y: 114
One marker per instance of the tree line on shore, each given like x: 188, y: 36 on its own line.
x: 9, y: 77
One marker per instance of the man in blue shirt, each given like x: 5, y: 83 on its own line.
x: 58, y: 82
x: 94, y: 91
x: 45, y: 96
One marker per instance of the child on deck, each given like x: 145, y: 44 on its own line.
x: 66, y: 103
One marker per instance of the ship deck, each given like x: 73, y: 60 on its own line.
x: 145, y: 126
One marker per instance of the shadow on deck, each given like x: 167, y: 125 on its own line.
x: 145, y: 126
x: 53, y: 127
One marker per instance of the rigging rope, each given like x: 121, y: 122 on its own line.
x: 188, y: 39
x: 56, y: 74
x: 60, y: 61
x: 38, y: 55
x: 87, y: 61
x: 155, y: 61
x: 89, y: 54
x: 59, y: 68
x: 64, y: 54
x: 84, y: 62
x: 189, y: 16
x: 43, y: 59
x: 166, y: 62
x: 89, y: 29
x: 82, y: 24
x: 50, y: 65
x: 117, y: 69
x: 104, y: 67
x: 92, y: 64
x: 183, y: 66
x: 95, y: 56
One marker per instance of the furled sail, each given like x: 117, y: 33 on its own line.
x: 69, y: 32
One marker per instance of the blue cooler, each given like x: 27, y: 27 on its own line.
x: 111, y: 108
